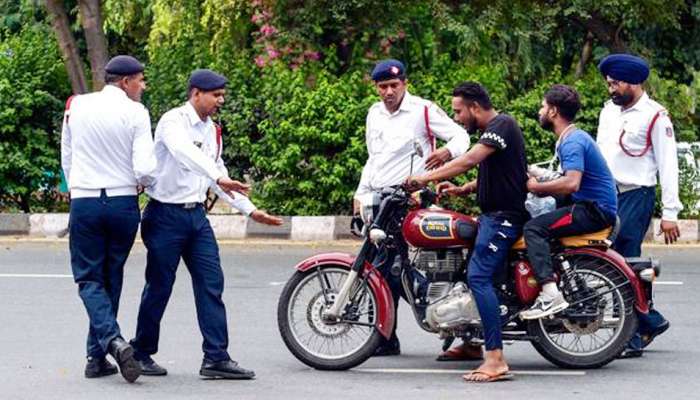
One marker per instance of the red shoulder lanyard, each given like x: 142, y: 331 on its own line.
x: 67, y: 112
x: 648, y: 143
x: 429, y: 133
x: 217, y: 128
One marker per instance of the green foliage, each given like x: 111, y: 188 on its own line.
x: 33, y: 89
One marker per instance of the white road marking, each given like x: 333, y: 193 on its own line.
x: 277, y: 283
x: 455, y: 371
x: 35, y: 276
x: 669, y: 283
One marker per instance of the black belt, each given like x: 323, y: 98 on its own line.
x: 187, y: 206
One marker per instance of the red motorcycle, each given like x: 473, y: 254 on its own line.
x: 335, y: 308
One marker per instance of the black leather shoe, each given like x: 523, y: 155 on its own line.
x: 227, y: 369
x: 123, y: 354
x: 388, y: 348
x: 151, y: 368
x: 98, y: 367
x: 647, y: 339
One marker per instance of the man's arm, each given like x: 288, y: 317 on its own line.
x: 363, y: 187
x: 459, y: 165
x: 567, y: 184
x: 664, y: 147
x: 446, y: 129
x: 142, y: 153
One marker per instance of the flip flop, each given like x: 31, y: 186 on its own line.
x: 458, y: 354
x: 503, y: 376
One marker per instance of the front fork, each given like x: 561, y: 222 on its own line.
x: 334, y: 312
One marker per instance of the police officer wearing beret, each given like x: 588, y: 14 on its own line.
x: 106, y: 152
x: 174, y: 226
x: 393, y: 125
x: 635, y: 135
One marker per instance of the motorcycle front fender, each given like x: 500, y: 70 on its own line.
x: 385, y: 302
x: 641, y: 302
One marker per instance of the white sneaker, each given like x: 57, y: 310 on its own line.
x: 545, y: 306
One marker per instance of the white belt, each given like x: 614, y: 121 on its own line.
x: 77, y: 193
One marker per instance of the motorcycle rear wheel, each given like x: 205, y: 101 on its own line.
x: 309, y: 338
x: 564, y: 342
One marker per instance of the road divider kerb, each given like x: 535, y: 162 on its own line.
x: 238, y: 227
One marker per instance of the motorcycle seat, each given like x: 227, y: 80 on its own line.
x: 599, y: 238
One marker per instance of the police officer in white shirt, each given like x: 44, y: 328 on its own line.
x: 636, y: 138
x: 174, y: 226
x: 106, y: 152
x: 393, y: 125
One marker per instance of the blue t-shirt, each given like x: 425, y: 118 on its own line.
x: 578, y: 152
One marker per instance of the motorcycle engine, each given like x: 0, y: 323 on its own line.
x: 450, y: 304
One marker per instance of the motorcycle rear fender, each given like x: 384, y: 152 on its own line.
x: 614, y: 258
x: 385, y: 301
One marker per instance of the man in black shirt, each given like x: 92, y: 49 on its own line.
x: 501, y: 188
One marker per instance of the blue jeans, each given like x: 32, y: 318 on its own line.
x: 102, y: 231
x: 496, y: 236
x: 635, y: 209
x: 170, y: 233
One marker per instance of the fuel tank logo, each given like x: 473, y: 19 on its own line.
x: 436, y: 227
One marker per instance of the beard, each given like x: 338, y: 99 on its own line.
x: 471, y: 126
x: 621, y: 99
x: 545, y: 123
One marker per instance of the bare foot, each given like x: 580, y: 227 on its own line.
x: 494, y: 368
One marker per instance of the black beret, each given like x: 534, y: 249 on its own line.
x: 625, y: 68
x: 388, y: 69
x: 206, y: 79
x: 123, y: 65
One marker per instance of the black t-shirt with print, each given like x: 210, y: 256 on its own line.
x: 502, y: 180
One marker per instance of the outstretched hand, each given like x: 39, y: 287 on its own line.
x: 229, y: 185
x: 262, y: 217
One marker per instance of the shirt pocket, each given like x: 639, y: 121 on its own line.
x: 634, y: 136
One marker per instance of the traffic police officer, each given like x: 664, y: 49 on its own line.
x: 106, y: 151
x: 636, y: 138
x: 393, y: 125
x: 188, y: 149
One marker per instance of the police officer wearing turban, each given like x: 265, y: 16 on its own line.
x: 393, y: 125
x: 106, y: 152
x: 635, y: 135
x: 174, y: 226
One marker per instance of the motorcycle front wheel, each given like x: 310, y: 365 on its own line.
x: 596, y: 330
x: 316, y: 343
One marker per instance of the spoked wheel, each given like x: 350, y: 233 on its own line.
x: 599, y: 321
x: 316, y: 342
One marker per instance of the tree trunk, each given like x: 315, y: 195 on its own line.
x: 91, y: 19
x: 69, y: 49
x: 586, y: 52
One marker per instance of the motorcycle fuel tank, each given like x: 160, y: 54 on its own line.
x: 437, y: 228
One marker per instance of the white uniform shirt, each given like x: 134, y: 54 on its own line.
x: 390, y: 140
x: 106, y: 143
x: 189, y: 161
x: 661, y: 157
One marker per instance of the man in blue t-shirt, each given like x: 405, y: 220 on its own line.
x: 586, y: 179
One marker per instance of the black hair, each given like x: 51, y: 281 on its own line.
x: 565, y: 99
x: 112, y: 78
x: 473, y: 92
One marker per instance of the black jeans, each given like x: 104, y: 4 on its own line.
x: 575, y: 219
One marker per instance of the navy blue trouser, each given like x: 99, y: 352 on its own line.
x: 635, y: 209
x: 102, y: 231
x: 170, y: 233
x: 495, y: 237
